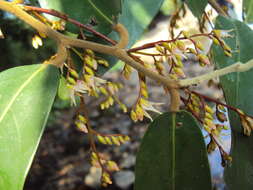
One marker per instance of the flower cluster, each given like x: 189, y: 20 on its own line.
x: 113, y: 139
x: 108, y: 166
x: 109, y: 90
x: 217, y: 39
x: 203, y: 112
x: 200, y: 109
x: 86, y: 82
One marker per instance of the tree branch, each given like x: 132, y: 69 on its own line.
x: 66, y: 42
x: 58, y: 59
x: 66, y: 18
x: 175, y: 100
x: 237, y: 67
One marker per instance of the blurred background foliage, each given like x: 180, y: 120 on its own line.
x: 16, y: 48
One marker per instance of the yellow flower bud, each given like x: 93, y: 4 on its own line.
x: 209, y: 116
x: 180, y: 45
x: 101, y: 139
x: 82, y: 127
x: 159, y: 49
x: 217, y: 33
x: 166, y: 45
x: 123, y: 107
x: 216, y: 41
x: 103, y: 62
x: 73, y: 73
x: 115, y: 140
x: 112, y: 166
x: 36, y: 41
x: 102, y: 106
x: 179, y: 64
x: 89, y: 70
x: 144, y: 93
x: 245, y: 126
x: 207, y: 129
x: 203, y: 59
x: 106, y: 178
x: 229, y: 54
x: 173, y: 76
x: 90, y: 52
x: 70, y: 80
x: 208, y: 109
x: 108, y: 140
x: 193, y: 51
x: 186, y: 34
x: 178, y: 71
x: 103, y: 90
x: 127, y: 138
x: 133, y: 115
x: 121, y: 139
x: 82, y: 119
x: 94, y: 156
x: 211, y: 147
x: 209, y: 123
x: 199, y: 46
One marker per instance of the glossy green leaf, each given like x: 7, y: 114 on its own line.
x: 103, y: 12
x: 239, y: 93
x: 248, y: 10
x: 197, y: 7
x: 173, y: 162
x: 26, y: 97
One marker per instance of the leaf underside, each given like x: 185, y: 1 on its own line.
x: 238, y: 93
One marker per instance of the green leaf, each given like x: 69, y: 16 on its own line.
x: 103, y: 11
x: 173, y: 162
x: 197, y: 7
x: 238, y: 92
x: 26, y: 97
x: 248, y: 7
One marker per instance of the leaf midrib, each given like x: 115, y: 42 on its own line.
x: 238, y: 59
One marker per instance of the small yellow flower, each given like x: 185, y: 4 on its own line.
x: 36, y: 41
x: 223, y: 33
x: 1, y: 34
